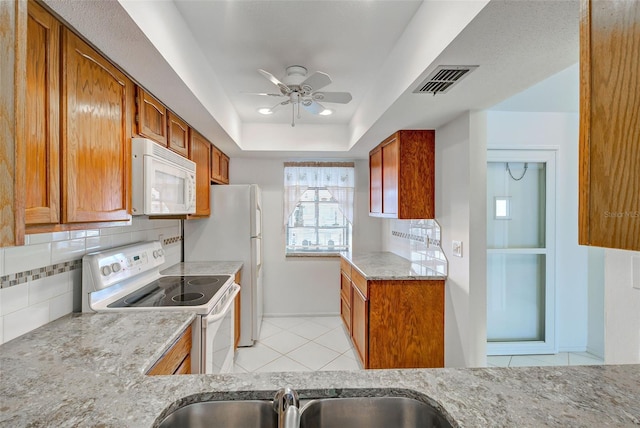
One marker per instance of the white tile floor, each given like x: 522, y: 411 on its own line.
x: 322, y: 343
x: 299, y: 344
x: 560, y: 359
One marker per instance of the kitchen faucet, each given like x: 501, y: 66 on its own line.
x: 286, y: 404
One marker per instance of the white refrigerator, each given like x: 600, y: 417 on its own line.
x: 233, y: 232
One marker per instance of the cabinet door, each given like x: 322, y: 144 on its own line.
x: 216, y: 157
x: 200, y: 153
x: 375, y: 181
x: 97, y: 100
x: 42, y: 198
x: 224, y: 169
x: 609, y: 207
x: 360, y: 325
x: 151, y: 117
x: 345, y: 300
x: 178, y: 134
x: 390, y: 169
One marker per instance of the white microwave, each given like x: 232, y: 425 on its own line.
x: 162, y: 182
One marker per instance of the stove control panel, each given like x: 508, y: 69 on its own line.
x: 105, y: 268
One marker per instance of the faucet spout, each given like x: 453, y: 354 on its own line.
x: 286, y: 404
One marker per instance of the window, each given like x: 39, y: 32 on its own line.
x: 318, y: 207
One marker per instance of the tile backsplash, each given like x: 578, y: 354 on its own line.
x: 42, y: 280
x: 418, y: 241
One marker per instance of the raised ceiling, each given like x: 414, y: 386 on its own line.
x: 201, y: 57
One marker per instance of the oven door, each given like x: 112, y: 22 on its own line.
x: 217, y: 334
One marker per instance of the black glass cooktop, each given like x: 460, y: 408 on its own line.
x: 174, y: 291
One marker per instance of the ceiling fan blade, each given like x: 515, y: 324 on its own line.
x: 332, y: 97
x: 263, y: 93
x: 312, y: 106
x: 283, y: 88
x: 316, y: 81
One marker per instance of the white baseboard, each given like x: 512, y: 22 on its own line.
x: 300, y: 315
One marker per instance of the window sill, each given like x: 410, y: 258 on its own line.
x: 312, y: 254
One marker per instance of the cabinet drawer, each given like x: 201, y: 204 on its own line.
x: 345, y: 287
x: 345, y: 313
x: 345, y: 267
x: 361, y: 283
x: 173, y: 361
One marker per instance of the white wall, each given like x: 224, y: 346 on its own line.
x: 42, y: 280
x: 461, y: 213
x: 301, y: 285
x: 622, y: 309
x: 530, y: 130
x: 595, y: 275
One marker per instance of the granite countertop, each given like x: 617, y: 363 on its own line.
x: 389, y: 266
x: 87, y: 370
x: 203, y: 268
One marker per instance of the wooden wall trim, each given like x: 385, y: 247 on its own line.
x: 13, y: 51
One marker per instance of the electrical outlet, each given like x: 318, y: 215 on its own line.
x: 457, y: 248
x: 635, y: 272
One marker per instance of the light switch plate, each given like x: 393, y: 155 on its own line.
x: 635, y: 272
x: 457, y: 248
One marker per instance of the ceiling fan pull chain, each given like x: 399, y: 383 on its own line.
x: 293, y: 117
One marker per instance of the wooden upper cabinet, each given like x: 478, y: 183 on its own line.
x: 97, y: 103
x: 219, y: 166
x: 42, y: 121
x: 609, y: 178
x: 200, y: 153
x: 178, y: 134
x: 151, y: 117
x: 375, y: 181
x: 402, y: 176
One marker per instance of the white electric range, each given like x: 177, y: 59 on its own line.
x: 128, y: 278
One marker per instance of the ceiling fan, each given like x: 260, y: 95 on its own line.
x: 300, y: 89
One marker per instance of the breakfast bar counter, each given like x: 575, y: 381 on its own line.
x: 87, y: 370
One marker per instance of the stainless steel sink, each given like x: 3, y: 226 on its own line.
x: 371, y: 412
x: 327, y: 412
x: 223, y: 414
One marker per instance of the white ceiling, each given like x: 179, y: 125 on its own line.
x: 200, y: 56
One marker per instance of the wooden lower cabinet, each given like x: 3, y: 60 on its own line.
x: 394, y: 323
x: 177, y: 359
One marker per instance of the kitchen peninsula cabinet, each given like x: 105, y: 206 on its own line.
x: 219, y: 166
x: 200, y: 153
x: 151, y: 117
x: 177, y: 359
x: 395, y: 321
x: 42, y: 136
x: 177, y: 134
x: 97, y: 103
x: 609, y: 177
x: 402, y: 176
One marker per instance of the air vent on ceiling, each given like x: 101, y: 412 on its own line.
x: 444, y: 78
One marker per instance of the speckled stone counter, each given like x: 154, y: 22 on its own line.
x: 203, y: 268
x: 88, y: 370
x: 388, y: 266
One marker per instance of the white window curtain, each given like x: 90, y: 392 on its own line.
x: 336, y: 177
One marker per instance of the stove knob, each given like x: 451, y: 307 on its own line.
x: 115, y: 267
x: 106, y: 270
x: 156, y: 254
x: 161, y: 252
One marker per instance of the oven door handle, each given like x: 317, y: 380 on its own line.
x: 216, y: 317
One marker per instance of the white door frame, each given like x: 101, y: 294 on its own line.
x: 547, y: 346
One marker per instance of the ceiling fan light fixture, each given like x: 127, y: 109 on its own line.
x: 326, y: 112
x: 265, y: 110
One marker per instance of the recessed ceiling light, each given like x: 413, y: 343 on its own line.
x: 265, y: 110
x: 326, y: 112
